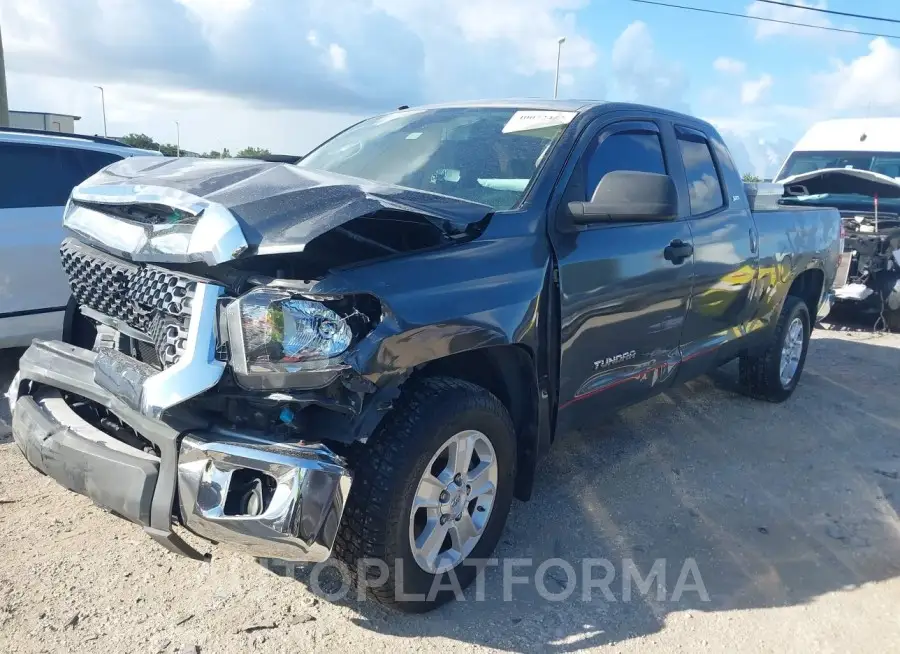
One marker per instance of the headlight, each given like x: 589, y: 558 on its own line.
x: 280, y: 339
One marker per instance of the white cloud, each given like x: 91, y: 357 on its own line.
x: 338, y: 57
x: 729, y: 66
x: 642, y: 74
x: 869, y: 82
x: 767, y: 29
x: 753, y: 90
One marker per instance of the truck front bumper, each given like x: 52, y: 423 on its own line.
x: 193, y: 474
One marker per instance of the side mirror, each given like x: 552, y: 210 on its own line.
x: 628, y: 196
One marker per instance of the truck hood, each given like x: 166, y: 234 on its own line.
x: 845, y: 180
x: 277, y: 207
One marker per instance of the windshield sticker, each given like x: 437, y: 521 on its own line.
x: 413, y: 136
x: 528, y: 121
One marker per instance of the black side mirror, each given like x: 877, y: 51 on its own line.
x: 628, y: 196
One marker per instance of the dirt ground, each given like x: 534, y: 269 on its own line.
x: 789, y: 511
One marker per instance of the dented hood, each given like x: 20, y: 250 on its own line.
x: 845, y: 180
x: 280, y: 207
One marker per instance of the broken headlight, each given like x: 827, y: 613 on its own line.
x: 279, y: 338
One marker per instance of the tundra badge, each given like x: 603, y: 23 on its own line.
x: 619, y: 358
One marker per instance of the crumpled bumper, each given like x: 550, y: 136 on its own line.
x: 826, y: 304
x: 193, y: 474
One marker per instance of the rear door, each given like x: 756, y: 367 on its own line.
x: 34, y: 188
x: 726, y: 259
x: 622, y: 301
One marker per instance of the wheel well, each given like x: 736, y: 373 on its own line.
x: 507, y: 371
x: 808, y: 287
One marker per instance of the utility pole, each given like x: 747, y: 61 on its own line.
x: 559, y: 43
x: 177, y: 139
x: 4, y: 105
x: 103, y: 106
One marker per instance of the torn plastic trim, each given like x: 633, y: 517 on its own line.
x: 213, y: 238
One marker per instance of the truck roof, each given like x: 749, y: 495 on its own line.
x: 852, y: 135
x: 65, y: 140
x: 544, y: 104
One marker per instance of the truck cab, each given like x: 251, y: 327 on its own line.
x: 365, y: 354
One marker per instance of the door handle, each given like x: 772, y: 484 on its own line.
x: 753, y: 242
x: 677, y: 251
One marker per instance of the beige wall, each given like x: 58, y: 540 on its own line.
x: 49, y: 122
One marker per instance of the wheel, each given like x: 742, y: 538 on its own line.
x: 430, y: 495
x: 773, y: 374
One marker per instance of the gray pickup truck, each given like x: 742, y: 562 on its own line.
x: 366, y: 353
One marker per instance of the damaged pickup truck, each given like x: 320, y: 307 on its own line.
x: 869, y: 276
x: 367, y: 353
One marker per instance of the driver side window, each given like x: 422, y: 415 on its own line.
x: 639, y: 151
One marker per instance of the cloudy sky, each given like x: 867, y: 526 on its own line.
x: 285, y: 74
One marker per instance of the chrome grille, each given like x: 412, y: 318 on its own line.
x: 150, y: 300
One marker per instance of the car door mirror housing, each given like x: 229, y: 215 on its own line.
x: 628, y: 196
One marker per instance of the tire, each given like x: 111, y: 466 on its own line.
x: 892, y: 320
x: 761, y: 374
x: 379, y: 522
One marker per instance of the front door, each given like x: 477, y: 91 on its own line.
x: 624, y: 287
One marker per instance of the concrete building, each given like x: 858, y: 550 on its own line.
x: 48, y: 122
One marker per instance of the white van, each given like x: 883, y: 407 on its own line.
x: 854, y: 165
x: 39, y: 171
x: 871, y: 144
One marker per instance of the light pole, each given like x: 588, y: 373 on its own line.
x: 103, y: 106
x: 177, y: 139
x: 559, y: 43
x: 4, y: 106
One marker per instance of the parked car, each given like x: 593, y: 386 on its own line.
x: 39, y: 171
x: 854, y: 165
x: 368, y: 352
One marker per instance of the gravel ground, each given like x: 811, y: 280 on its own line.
x: 790, y: 512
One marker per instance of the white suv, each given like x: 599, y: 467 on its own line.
x: 39, y: 170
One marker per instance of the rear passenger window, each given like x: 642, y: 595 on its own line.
x: 638, y: 151
x: 43, y: 175
x: 704, y: 186
x: 92, y: 161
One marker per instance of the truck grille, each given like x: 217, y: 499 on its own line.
x: 153, y: 301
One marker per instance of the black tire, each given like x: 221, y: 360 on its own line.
x: 375, y: 524
x: 892, y: 320
x: 760, y: 374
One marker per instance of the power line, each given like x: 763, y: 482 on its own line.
x: 765, y: 20
x: 831, y: 11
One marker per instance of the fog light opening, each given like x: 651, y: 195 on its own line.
x: 249, y: 493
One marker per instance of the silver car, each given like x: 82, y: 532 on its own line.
x: 39, y: 171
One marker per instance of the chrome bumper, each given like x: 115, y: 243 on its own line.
x: 305, y: 485
x: 306, y: 488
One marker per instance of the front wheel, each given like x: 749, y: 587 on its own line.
x: 773, y: 374
x: 430, y: 496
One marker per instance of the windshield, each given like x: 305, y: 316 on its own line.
x: 481, y: 154
x: 886, y: 163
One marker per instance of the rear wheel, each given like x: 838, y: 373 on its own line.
x: 430, y: 495
x: 773, y: 374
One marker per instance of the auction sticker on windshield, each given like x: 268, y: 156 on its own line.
x: 527, y: 121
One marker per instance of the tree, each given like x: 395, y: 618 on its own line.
x: 250, y: 152
x: 140, y: 141
x: 750, y: 178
